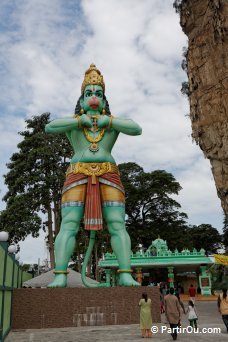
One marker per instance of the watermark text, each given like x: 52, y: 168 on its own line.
x: 164, y: 329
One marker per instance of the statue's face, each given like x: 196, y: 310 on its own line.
x: 93, y: 99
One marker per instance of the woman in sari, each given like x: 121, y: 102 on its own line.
x: 145, y: 316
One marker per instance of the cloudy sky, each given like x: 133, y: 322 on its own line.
x: 46, y: 46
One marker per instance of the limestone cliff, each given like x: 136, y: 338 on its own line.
x: 205, y: 22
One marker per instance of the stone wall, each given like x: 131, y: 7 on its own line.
x: 205, y: 23
x: 58, y: 308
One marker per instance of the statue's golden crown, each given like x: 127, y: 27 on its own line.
x: 93, y: 76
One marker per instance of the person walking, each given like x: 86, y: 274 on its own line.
x: 145, y: 316
x: 182, y: 308
x: 223, y: 307
x: 192, y: 293
x: 192, y: 315
x: 172, y: 312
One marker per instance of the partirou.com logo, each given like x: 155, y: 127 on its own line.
x: 164, y: 329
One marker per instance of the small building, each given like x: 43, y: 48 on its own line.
x: 158, y: 264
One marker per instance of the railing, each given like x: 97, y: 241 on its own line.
x: 11, y: 276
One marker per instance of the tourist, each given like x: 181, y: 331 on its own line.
x: 172, y: 312
x: 182, y: 311
x: 192, y: 315
x: 163, y: 289
x: 179, y: 288
x: 162, y: 306
x: 192, y: 293
x: 162, y: 295
x: 145, y: 316
x: 223, y: 306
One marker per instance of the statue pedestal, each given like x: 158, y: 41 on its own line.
x: 58, y: 308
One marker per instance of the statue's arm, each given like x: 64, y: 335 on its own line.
x: 126, y: 126
x: 62, y: 125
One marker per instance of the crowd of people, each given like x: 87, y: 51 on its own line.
x: 174, y: 309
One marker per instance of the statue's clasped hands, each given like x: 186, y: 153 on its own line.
x: 85, y: 121
x: 101, y: 120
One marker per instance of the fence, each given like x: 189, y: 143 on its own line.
x: 11, y: 276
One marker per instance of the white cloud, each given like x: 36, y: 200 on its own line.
x: 198, y: 196
x: 8, y: 126
x: 162, y: 44
x: 33, y: 249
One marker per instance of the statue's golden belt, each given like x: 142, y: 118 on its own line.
x: 92, y: 169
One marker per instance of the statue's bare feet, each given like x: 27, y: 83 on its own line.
x: 59, y: 281
x: 125, y: 279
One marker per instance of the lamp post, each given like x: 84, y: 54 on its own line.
x: 19, y: 275
x: 4, y: 246
x: 17, y: 267
x: 12, y: 249
x: 4, y: 236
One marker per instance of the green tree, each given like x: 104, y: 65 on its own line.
x: 25, y: 267
x: 207, y: 237
x: 150, y: 208
x: 35, y: 178
x: 19, y: 218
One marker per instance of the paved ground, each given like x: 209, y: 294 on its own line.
x: 208, y: 318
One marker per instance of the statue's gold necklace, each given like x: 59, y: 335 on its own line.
x: 94, y: 147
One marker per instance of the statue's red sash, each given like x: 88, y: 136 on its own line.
x: 93, y: 219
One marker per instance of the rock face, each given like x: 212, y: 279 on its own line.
x: 205, y: 22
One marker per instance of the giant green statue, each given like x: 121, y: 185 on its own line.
x: 93, y: 189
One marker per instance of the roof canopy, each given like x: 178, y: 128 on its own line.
x: 158, y: 255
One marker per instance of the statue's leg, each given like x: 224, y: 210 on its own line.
x: 65, y: 243
x: 120, y: 242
